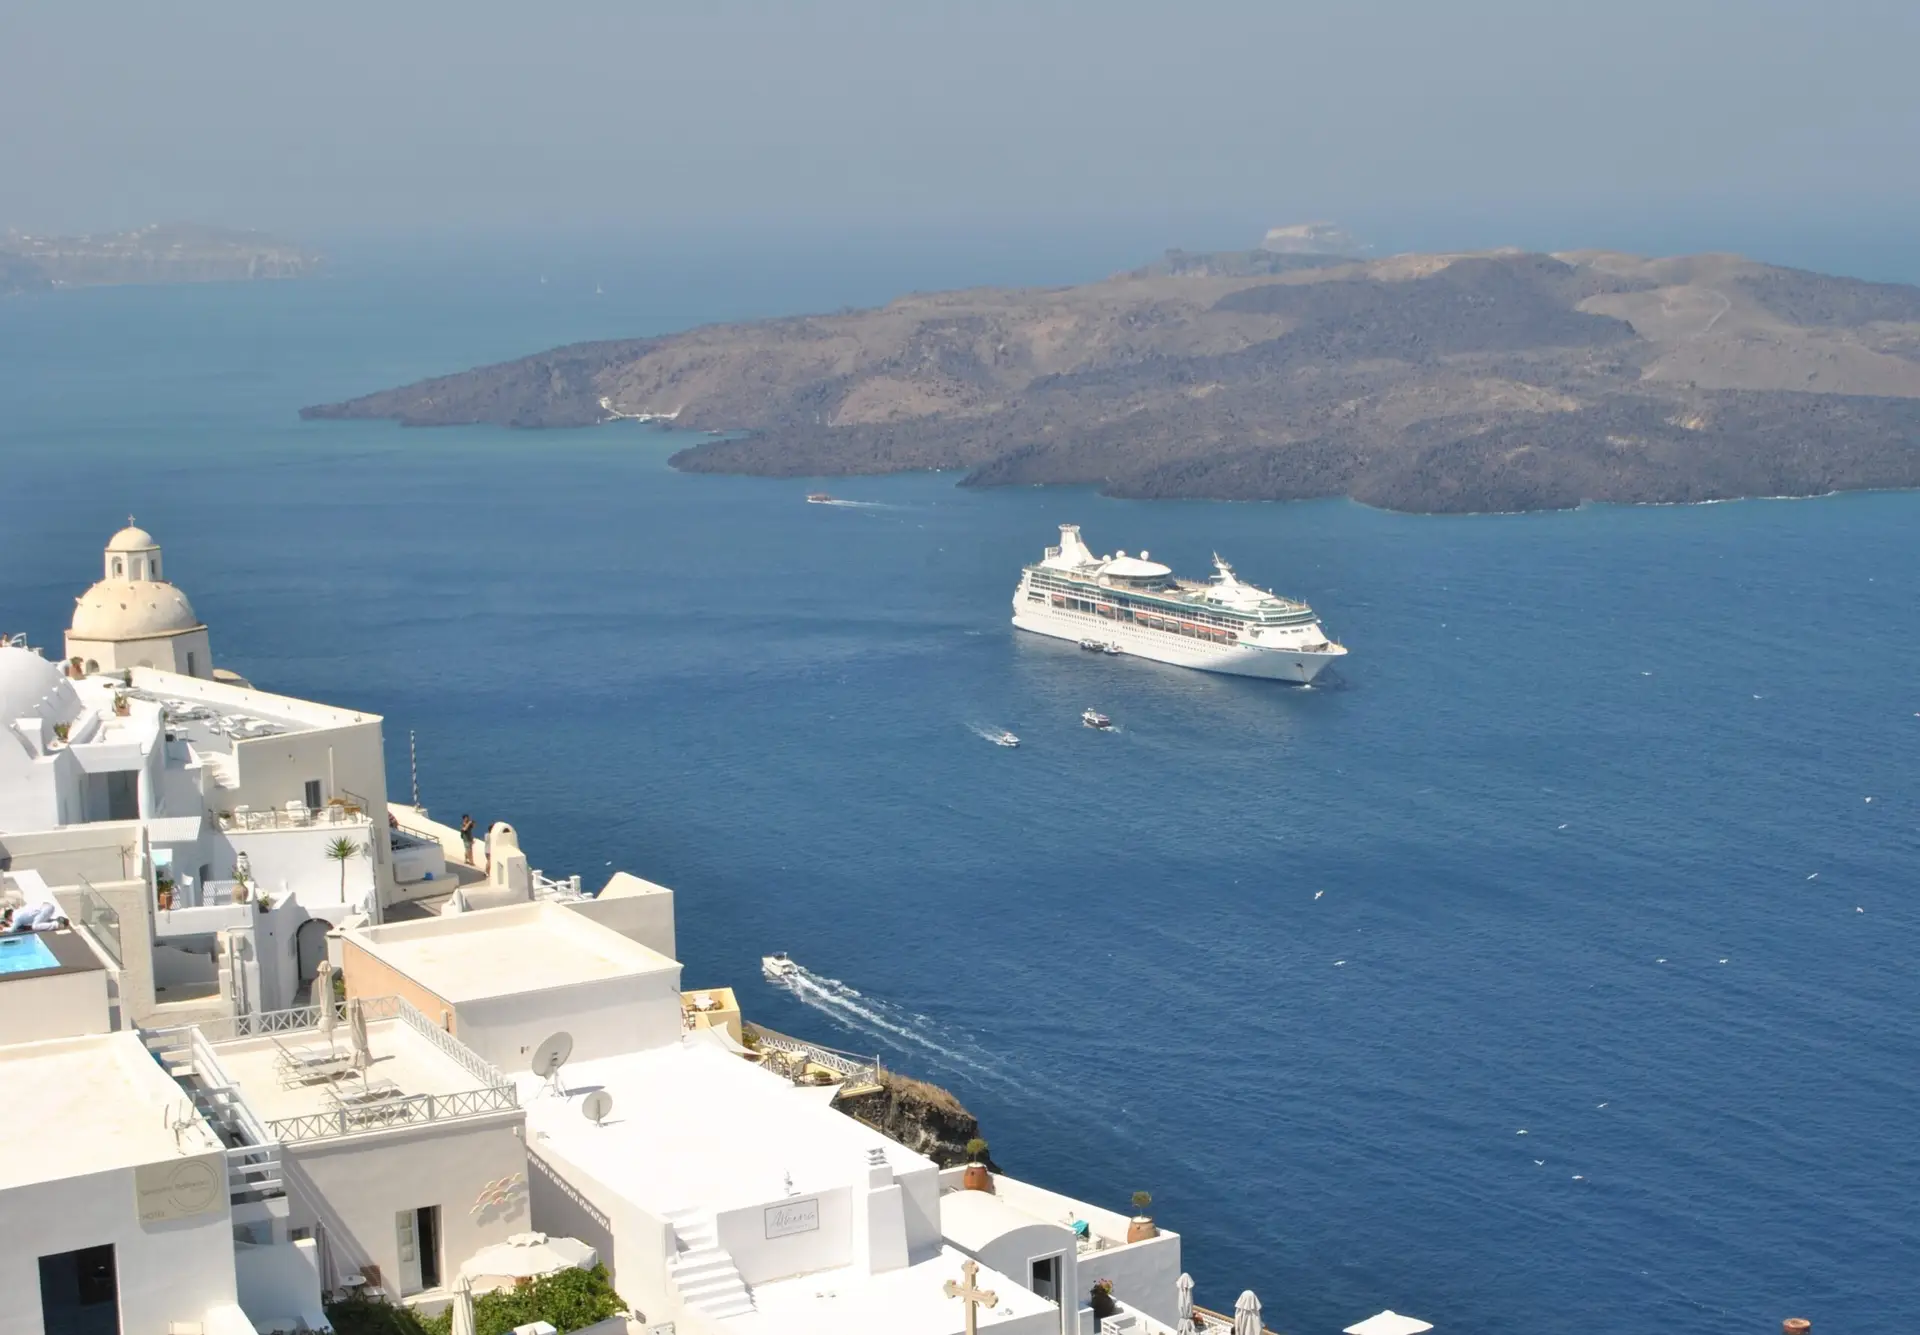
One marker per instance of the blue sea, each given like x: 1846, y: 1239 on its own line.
x: 1550, y: 972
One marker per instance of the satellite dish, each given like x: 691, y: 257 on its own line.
x: 596, y: 1106
x: 551, y: 1055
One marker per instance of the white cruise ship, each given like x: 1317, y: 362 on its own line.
x: 1137, y: 606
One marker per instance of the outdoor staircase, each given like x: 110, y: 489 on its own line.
x: 702, y: 1272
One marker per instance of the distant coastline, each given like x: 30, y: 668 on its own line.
x: 157, y: 254
x: 1488, y: 382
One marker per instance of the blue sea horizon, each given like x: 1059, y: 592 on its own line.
x: 1578, y: 844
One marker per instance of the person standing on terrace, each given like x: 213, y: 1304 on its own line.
x: 466, y: 836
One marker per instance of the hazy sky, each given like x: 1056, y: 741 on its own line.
x: 1188, y: 118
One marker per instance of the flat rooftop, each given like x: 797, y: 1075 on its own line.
x: 501, y: 952
x: 73, y: 1106
x: 696, y: 1127
x: 406, y: 1063
x: 194, y: 706
x: 901, y: 1302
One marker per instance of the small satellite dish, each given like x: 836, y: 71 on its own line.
x: 596, y: 1106
x: 550, y: 1056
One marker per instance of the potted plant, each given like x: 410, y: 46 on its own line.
x: 60, y: 731
x: 121, y: 706
x: 1102, y: 1301
x: 163, y: 886
x: 1141, y: 1226
x: 977, y: 1178
x: 240, y: 885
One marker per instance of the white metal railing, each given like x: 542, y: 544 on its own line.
x: 290, y: 818
x: 226, y: 1102
x: 561, y: 890
x: 846, y: 1064
x: 404, y: 1111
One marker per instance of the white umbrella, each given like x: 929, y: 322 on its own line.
x: 357, y: 1030
x: 323, y: 998
x: 462, y: 1306
x: 528, y: 1255
x: 1183, y: 1305
x: 1246, y: 1315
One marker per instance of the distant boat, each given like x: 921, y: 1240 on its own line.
x: 819, y: 498
x: 1101, y: 647
x: 1004, y: 738
x: 777, y: 967
x: 1093, y: 718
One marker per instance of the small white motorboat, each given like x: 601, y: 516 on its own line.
x: 1111, y: 648
x: 1006, y: 739
x: 1092, y: 646
x: 1093, y: 718
x: 777, y: 967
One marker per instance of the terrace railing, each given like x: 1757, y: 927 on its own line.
x: 409, y: 1110
x: 101, y: 920
x: 855, y: 1069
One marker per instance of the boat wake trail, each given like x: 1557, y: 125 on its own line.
x: 899, y: 1028
x: 985, y: 733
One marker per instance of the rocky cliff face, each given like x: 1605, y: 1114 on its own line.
x: 1493, y: 381
x: 920, y: 1116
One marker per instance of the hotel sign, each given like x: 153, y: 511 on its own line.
x: 180, y: 1188
x: 792, y: 1217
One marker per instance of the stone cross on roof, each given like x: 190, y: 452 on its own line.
x: 969, y: 1291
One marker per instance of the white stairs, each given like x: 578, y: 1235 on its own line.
x: 703, y: 1273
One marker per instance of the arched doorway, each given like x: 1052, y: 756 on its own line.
x: 310, y: 946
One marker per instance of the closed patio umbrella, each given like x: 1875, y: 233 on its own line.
x: 323, y: 998
x: 1183, y: 1305
x: 462, y: 1306
x: 529, y: 1255
x: 1246, y: 1315
x: 357, y: 1030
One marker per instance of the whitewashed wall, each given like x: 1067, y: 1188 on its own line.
x: 605, y: 1017
x: 363, y: 1182
x: 167, y: 1272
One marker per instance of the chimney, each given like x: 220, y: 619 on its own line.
x: 1795, y: 1325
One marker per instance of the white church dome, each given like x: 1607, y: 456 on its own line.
x: 132, y: 539
x: 131, y: 609
x: 31, y: 687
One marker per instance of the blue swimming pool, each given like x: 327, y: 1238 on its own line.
x: 21, y: 954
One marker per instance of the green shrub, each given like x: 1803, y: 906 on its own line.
x: 570, y: 1299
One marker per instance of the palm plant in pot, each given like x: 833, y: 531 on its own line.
x: 977, y: 1178
x: 1141, y: 1226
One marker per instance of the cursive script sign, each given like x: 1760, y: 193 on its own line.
x: 793, y: 1217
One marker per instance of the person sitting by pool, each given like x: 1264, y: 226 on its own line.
x: 43, y: 917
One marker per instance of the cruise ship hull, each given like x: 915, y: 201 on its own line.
x: 1292, y: 665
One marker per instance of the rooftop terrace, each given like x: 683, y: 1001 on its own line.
x: 301, y: 1084
x: 521, y: 948
x: 73, y: 1106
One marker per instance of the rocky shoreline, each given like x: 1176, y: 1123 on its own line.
x: 1499, y: 381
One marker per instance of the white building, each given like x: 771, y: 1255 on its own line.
x: 134, y: 617
x: 395, y: 1171
x: 117, y: 1218
x: 721, y: 1195
x: 196, y: 827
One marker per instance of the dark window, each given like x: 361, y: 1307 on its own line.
x: 1046, y: 1278
x: 313, y: 794
x: 123, y: 794
x: 79, y: 1294
x: 192, y: 664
